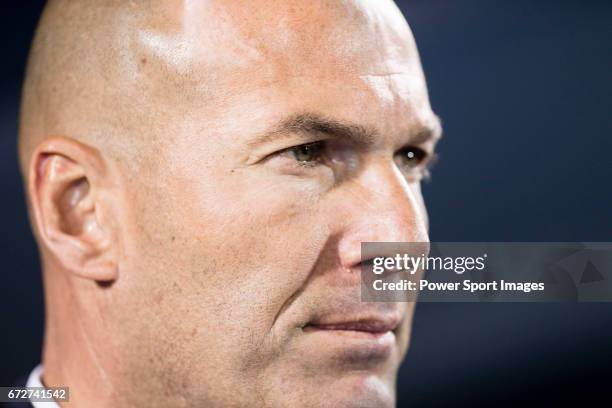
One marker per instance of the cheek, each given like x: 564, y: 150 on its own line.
x: 258, y: 233
x: 238, y: 248
x: 265, y: 240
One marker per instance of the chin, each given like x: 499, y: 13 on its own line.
x: 337, y: 368
x: 358, y: 390
x: 334, y: 386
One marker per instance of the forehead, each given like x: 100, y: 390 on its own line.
x: 223, y: 56
x: 210, y: 41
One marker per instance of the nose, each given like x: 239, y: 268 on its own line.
x: 379, y: 206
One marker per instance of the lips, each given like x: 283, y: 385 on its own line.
x: 372, y: 325
x: 361, y: 341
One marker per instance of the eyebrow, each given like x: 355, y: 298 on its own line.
x: 312, y: 123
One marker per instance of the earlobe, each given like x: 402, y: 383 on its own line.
x: 63, y: 187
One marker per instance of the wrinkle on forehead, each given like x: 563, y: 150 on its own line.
x: 278, y: 38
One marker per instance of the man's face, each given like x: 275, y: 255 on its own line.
x: 304, y: 133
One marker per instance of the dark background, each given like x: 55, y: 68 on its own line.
x: 524, y: 89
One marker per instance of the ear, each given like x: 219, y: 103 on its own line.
x: 67, y: 190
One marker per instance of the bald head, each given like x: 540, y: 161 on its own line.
x: 200, y: 177
x: 94, y: 64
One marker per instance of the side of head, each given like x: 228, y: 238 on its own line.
x: 200, y: 176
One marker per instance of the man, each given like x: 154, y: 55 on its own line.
x: 200, y: 176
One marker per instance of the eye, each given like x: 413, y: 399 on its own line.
x: 308, y: 154
x: 410, y: 157
x: 414, y: 163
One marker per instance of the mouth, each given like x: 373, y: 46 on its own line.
x: 370, y: 326
x: 360, y: 341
